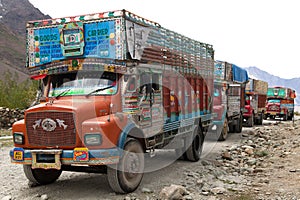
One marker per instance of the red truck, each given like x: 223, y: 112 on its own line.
x: 229, y: 98
x: 255, y: 104
x: 280, y: 103
x: 114, y: 86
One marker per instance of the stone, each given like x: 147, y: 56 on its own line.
x: 218, y: 190
x: 147, y: 190
x: 226, y: 155
x: 8, y: 197
x: 44, y: 197
x: 173, y: 192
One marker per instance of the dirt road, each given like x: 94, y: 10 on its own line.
x: 210, y: 178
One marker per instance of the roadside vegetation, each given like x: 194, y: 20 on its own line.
x: 16, y: 94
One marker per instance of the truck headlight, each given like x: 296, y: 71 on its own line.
x: 93, y: 139
x: 18, y: 138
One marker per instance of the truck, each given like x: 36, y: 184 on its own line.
x: 280, y: 103
x: 256, y: 98
x: 229, y: 98
x: 114, y: 88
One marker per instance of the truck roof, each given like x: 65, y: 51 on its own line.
x: 239, y: 74
x: 109, y: 39
x: 91, y: 17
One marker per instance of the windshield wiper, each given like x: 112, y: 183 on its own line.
x: 63, y: 93
x: 99, y: 89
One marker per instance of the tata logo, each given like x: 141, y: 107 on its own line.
x: 72, y: 38
x: 49, y: 124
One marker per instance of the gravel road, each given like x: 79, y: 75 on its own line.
x: 196, y: 177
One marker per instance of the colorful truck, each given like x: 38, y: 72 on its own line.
x: 114, y: 86
x: 256, y: 99
x: 229, y: 98
x: 280, y: 103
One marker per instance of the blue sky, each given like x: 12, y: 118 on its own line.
x: 261, y: 33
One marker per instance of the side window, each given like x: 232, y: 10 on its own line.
x: 131, y: 85
x: 145, y: 83
x: 155, y: 82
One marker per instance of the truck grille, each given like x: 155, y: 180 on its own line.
x: 274, y: 108
x: 51, y: 129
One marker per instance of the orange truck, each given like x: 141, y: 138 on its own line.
x: 114, y: 86
x: 255, y: 104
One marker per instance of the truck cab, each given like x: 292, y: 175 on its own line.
x: 229, y: 91
x: 280, y: 103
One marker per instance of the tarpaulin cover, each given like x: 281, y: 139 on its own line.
x: 239, y: 74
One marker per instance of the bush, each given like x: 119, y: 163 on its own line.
x: 14, y: 94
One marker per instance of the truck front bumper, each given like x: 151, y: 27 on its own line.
x: 54, y: 158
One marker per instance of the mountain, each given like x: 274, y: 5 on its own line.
x: 272, y: 80
x: 14, y: 15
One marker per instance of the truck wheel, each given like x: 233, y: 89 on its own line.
x: 126, y: 176
x: 261, y: 118
x: 250, y: 121
x: 231, y: 128
x: 290, y: 117
x: 224, y: 131
x: 285, y: 117
x: 41, y: 176
x: 193, y: 153
x: 239, y: 124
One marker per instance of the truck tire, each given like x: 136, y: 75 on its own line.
x: 290, y: 117
x: 250, y: 121
x: 261, y: 118
x: 126, y: 176
x: 285, y: 117
x: 41, y: 176
x: 231, y: 128
x: 194, y: 151
x: 223, y: 131
x: 239, y: 124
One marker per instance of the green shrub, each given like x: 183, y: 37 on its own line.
x: 15, y: 94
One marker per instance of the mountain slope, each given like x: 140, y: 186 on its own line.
x: 272, y: 80
x: 14, y: 15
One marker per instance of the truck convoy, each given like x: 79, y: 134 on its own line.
x: 229, y: 98
x: 280, y: 103
x: 115, y: 86
x: 256, y: 98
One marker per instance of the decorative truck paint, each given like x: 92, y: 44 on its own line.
x: 114, y: 86
x: 256, y: 98
x: 280, y: 103
x: 229, y: 91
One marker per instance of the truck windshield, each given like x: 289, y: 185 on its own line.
x: 273, y: 101
x: 83, y: 83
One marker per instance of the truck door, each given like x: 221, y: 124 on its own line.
x: 234, y: 99
x: 150, y: 103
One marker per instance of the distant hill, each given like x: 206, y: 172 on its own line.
x: 13, y: 17
x: 272, y: 80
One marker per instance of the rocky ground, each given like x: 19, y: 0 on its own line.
x: 260, y: 163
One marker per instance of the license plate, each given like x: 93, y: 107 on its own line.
x: 18, y: 154
x: 53, y: 164
x: 273, y: 113
x: 81, y: 154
